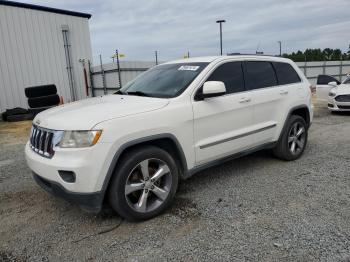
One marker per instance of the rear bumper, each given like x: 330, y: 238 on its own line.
x: 91, y: 202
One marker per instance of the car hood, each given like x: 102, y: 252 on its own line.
x: 84, y: 114
x: 343, y: 89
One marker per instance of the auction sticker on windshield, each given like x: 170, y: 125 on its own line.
x: 188, y: 68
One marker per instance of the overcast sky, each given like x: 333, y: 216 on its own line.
x: 137, y: 28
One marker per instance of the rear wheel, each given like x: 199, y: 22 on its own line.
x: 293, y: 141
x: 144, y: 183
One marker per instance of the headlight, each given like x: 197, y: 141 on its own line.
x: 75, y: 139
x: 332, y: 92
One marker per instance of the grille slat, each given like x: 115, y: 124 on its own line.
x: 46, y: 143
x: 41, y: 141
x: 33, y: 136
x: 36, y: 142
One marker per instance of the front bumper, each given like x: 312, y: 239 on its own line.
x: 334, y: 105
x: 91, y: 202
x: 89, y: 166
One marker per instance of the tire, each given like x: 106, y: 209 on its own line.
x: 16, y: 114
x: 44, y: 101
x: 127, y: 202
x: 4, y: 116
x: 284, y: 147
x: 21, y: 117
x: 36, y: 111
x: 16, y: 111
x: 37, y: 91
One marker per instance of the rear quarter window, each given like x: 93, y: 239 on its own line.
x: 285, y: 73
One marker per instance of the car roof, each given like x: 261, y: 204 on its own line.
x: 209, y: 59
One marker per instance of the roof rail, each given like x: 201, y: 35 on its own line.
x: 233, y: 54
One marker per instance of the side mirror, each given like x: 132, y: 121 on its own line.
x: 333, y: 84
x: 212, y: 89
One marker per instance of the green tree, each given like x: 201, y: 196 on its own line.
x: 327, y: 54
x: 337, y: 55
x: 316, y: 54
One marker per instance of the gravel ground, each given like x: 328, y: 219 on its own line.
x: 255, y: 208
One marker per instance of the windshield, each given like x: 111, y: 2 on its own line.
x: 164, y: 81
x: 347, y: 80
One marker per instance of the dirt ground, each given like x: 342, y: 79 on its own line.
x: 255, y: 208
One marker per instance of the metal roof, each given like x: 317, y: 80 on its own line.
x: 44, y: 8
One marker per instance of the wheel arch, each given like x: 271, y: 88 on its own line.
x: 301, y: 110
x: 167, y: 142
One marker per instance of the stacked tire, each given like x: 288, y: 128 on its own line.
x: 41, y: 97
x: 16, y: 114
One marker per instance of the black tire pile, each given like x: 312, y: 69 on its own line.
x: 41, y: 97
x: 16, y: 114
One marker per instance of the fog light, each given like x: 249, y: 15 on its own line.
x: 67, y: 176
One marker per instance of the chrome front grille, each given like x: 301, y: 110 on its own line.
x: 41, y: 141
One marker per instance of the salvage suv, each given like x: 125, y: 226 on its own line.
x: 130, y: 149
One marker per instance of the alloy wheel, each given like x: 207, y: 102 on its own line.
x: 148, y: 185
x: 296, y: 138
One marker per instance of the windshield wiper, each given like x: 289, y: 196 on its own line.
x: 138, y: 93
x: 120, y: 92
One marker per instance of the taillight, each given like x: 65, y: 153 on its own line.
x: 313, y: 89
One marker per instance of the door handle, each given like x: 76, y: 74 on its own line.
x: 245, y: 100
x: 283, y: 92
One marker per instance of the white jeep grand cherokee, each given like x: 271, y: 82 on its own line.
x: 131, y: 148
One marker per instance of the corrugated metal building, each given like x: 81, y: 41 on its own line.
x: 39, y: 46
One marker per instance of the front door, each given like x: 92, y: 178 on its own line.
x: 223, y: 124
x: 322, y: 87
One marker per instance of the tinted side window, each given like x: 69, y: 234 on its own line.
x: 325, y: 79
x: 231, y: 74
x: 285, y: 73
x: 259, y: 74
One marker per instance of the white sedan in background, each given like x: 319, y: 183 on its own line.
x: 339, y: 96
x: 336, y: 93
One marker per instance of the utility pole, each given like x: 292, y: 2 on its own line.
x: 156, y: 54
x: 103, y: 76
x: 118, y: 64
x: 280, y: 44
x: 220, y: 22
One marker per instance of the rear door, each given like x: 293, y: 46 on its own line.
x: 268, y: 97
x: 223, y: 124
x: 322, y: 87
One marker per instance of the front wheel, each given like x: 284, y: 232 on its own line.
x: 293, y: 141
x: 144, y: 183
